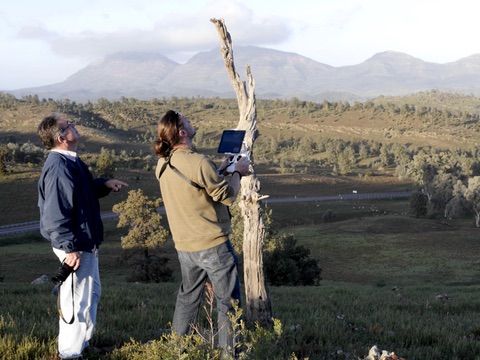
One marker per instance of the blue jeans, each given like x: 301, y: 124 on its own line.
x: 219, y: 265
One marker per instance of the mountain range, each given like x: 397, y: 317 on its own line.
x: 277, y: 74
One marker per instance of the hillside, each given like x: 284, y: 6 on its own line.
x: 437, y: 119
x: 293, y: 155
x: 277, y: 74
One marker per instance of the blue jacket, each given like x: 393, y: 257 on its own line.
x: 68, y: 201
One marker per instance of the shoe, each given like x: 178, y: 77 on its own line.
x: 92, y: 351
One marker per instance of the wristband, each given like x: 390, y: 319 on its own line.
x: 238, y: 172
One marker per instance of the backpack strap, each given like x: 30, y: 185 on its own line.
x: 175, y: 170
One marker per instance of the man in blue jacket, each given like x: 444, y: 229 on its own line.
x: 70, y: 218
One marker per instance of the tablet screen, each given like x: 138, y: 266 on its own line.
x: 231, y: 141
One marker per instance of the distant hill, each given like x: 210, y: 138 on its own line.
x: 277, y: 74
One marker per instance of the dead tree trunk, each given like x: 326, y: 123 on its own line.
x: 258, y: 304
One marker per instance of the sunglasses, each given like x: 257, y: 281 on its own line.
x: 69, y: 123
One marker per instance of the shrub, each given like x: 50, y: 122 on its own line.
x: 289, y: 264
x: 418, y: 203
x: 145, y: 232
x: 255, y: 342
x: 285, y: 262
x: 328, y: 216
x: 105, y: 165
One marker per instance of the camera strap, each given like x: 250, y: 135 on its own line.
x: 59, y: 307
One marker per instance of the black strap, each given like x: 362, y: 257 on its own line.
x: 175, y: 170
x: 59, y: 308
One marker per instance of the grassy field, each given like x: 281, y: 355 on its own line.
x: 408, y: 285
x: 18, y: 191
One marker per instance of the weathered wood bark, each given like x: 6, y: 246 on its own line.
x: 258, y: 306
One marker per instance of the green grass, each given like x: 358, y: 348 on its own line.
x: 346, y: 317
x: 19, y: 195
x: 408, y: 285
x: 18, y: 190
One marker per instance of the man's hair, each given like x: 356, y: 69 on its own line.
x: 167, y: 133
x: 48, y: 130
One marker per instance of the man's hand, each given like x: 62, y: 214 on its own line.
x: 115, y: 185
x: 73, y: 259
x: 222, y: 170
x: 243, y: 166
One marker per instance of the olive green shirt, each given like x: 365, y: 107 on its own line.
x: 199, y: 219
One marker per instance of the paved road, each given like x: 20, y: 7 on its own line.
x: 33, y: 226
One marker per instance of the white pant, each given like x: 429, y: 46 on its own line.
x: 73, y: 338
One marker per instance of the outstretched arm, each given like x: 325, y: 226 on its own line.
x: 115, y: 185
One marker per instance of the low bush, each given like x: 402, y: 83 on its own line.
x: 287, y: 263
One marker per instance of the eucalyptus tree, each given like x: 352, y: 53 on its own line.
x: 422, y: 169
x: 400, y: 154
x: 346, y: 160
x: 467, y: 163
x: 442, y: 191
x: 401, y: 158
x: 363, y: 151
x: 257, y: 296
x: 458, y: 205
x: 385, y: 155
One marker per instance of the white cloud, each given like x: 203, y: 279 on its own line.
x: 57, y: 38
x: 169, y: 34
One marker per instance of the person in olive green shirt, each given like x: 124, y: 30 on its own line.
x: 196, y: 196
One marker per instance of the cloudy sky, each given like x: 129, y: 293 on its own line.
x: 44, y: 42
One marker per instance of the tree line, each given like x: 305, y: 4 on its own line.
x: 447, y: 179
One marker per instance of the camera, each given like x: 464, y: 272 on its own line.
x: 62, y: 273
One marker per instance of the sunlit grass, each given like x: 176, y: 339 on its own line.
x: 413, y: 320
